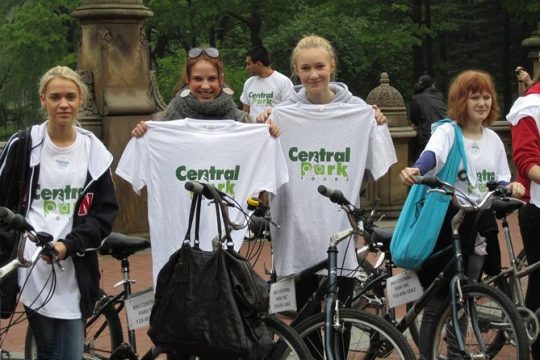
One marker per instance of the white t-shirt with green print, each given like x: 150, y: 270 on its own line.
x: 486, y: 159
x: 240, y: 159
x: 333, y: 145
x: 62, y: 176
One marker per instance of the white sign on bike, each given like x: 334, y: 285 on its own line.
x: 282, y: 296
x: 138, y: 308
x: 403, y: 288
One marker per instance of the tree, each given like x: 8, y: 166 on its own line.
x: 34, y: 36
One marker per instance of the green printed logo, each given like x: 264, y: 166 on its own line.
x: 223, y: 179
x: 58, y: 200
x: 482, y: 178
x: 261, y: 98
x: 322, y: 162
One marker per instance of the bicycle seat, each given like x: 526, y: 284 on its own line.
x: 382, y: 236
x: 506, y: 206
x: 121, y: 246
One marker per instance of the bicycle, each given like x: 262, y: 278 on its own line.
x: 44, y: 248
x: 104, y: 338
x: 338, y: 332
x: 475, y: 313
x: 104, y: 334
x: 513, y: 279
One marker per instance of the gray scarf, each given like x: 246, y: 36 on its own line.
x: 222, y: 107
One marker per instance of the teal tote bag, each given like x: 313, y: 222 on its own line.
x: 422, y: 216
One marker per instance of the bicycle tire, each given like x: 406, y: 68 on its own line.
x: 287, y: 342
x: 505, y: 284
x: 495, y: 311
x: 103, y: 332
x: 361, y: 324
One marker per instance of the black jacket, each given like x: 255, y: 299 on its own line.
x: 94, y: 213
x: 426, y: 108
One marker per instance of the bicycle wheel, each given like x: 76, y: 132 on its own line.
x: 361, y: 336
x: 494, y: 313
x: 103, y: 332
x: 287, y: 343
x: 507, y: 286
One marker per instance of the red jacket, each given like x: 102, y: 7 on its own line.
x: 526, y: 145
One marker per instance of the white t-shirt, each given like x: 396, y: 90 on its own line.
x: 240, y: 159
x: 62, y: 176
x: 334, y: 145
x: 486, y: 159
x: 264, y: 93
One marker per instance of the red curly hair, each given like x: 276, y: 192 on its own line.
x: 467, y: 83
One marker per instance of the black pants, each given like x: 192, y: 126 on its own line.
x: 487, y: 227
x: 529, y: 224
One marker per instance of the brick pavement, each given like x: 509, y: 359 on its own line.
x: 141, y: 271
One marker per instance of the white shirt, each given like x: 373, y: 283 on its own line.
x: 239, y: 159
x: 334, y: 145
x: 62, y: 176
x: 486, y: 159
x: 262, y: 93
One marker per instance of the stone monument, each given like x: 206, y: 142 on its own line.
x: 389, y: 189
x: 114, y: 61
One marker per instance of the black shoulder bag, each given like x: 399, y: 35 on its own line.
x: 14, y: 191
x: 208, y: 303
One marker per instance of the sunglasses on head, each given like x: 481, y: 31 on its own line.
x: 196, y: 52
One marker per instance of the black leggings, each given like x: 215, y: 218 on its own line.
x: 529, y: 224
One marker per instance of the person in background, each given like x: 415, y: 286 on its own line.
x: 524, y: 116
x: 202, y: 94
x: 426, y: 107
x: 70, y: 195
x: 266, y: 87
x: 472, y: 103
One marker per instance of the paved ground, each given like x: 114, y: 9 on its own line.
x: 141, y: 272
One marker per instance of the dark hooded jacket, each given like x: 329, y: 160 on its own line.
x: 426, y: 108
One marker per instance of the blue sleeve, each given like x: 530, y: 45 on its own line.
x: 426, y: 162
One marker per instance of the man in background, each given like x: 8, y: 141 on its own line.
x: 266, y: 87
x: 426, y: 107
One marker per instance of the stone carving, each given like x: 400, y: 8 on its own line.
x: 90, y: 105
x: 385, y: 95
x: 156, y: 95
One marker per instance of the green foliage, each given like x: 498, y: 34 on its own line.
x: 370, y: 37
x: 34, y: 36
x: 169, y: 71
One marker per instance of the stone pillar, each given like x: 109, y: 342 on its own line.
x: 532, y: 43
x: 389, y: 189
x: 114, y: 60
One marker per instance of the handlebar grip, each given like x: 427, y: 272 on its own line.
x: 324, y: 191
x: 335, y: 196
x: 16, y: 221
x: 194, y: 187
x: 432, y: 182
x: 503, y: 191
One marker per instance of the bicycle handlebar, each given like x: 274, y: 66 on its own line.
x: 335, y: 196
x: 495, y: 190
x: 16, y: 221
x: 222, y: 199
x: 42, y: 240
